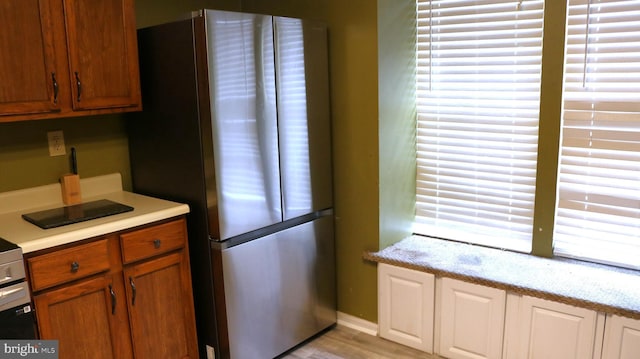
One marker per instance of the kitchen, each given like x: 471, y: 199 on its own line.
x: 101, y: 141
x: 372, y: 125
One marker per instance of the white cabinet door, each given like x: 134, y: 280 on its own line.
x: 405, y: 306
x: 471, y: 320
x: 621, y: 338
x: 551, y: 330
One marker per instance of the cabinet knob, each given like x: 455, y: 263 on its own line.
x: 74, y: 267
x: 156, y: 243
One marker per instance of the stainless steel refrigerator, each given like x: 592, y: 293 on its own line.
x: 236, y: 124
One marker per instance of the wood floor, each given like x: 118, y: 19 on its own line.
x: 345, y: 343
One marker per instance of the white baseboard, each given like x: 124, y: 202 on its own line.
x: 358, y: 324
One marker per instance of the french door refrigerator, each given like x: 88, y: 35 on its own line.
x: 236, y: 124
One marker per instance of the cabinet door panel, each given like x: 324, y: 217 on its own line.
x: 622, y: 338
x: 161, y: 306
x: 472, y: 320
x: 406, y: 306
x: 102, y: 53
x: 551, y: 330
x: 85, y: 320
x: 27, y: 64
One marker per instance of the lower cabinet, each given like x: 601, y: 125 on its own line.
x: 621, y: 338
x: 544, y: 329
x: 461, y: 320
x: 87, y: 319
x: 471, y: 320
x: 125, y: 295
x: 159, y: 300
x: 405, y: 306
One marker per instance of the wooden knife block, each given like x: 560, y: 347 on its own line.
x: 71, y: 189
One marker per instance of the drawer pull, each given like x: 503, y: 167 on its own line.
x: 74, y: 267
x: 156, y: 243
x: 133, y: 291
x: 113, y: 300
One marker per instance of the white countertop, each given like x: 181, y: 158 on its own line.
x: 32, y: 238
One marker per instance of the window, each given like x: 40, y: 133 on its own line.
x: 598, y: 214
x: 479, y: 66
x: 478, y: 101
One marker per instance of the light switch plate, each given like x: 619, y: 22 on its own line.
x: 56, y: 143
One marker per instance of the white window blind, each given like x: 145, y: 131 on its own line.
x: 598, y: 213
x: 478, y: 89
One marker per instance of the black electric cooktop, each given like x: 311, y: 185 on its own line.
x: 63, y: 216
x: 6, y: 246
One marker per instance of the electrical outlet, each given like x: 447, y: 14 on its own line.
x: 211, y: 354
x: 56, y: 143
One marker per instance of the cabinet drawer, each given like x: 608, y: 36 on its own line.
x: 68, y: 264
x: 151, y: 241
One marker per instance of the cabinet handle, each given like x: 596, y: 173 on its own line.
x: 156, y: 243
x: 133, y: 291
x: 78, y: 85
x: 113, y: 300
x: 55, y: 88
x: 74, y: 267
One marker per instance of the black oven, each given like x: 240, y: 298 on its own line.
x: 16, y: 315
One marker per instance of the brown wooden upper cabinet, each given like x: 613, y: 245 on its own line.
x: 64, y: 58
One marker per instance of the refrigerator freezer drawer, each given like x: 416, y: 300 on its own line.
x: 280, y: 289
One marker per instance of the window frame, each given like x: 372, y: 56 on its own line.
x: 549, y: 124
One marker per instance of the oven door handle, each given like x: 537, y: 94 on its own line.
x: 16, y: 293
x: 12, y: 271
x: 6, y: 293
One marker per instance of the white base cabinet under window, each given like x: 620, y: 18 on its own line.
x: 405, y: 307
x: 462, y: 320
x: 621, y: 338
x: 471, y: 320
x: 543, y: 329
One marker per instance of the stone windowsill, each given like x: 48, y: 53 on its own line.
x: 601, y: 288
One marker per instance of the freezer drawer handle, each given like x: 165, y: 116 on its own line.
x: 74, y: 267
x: 156, y: 243
x: 113, y: 300
x: 133, y: 291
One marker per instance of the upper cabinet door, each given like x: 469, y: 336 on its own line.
x: 28, y: 73
x: 102, y: 46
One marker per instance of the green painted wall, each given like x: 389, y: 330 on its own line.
x: 101, y: 145
x: 550, y: 124
x: 153, y: 12
x: 308, y: 9
x: 354, y: 65
x: 397, y: 133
